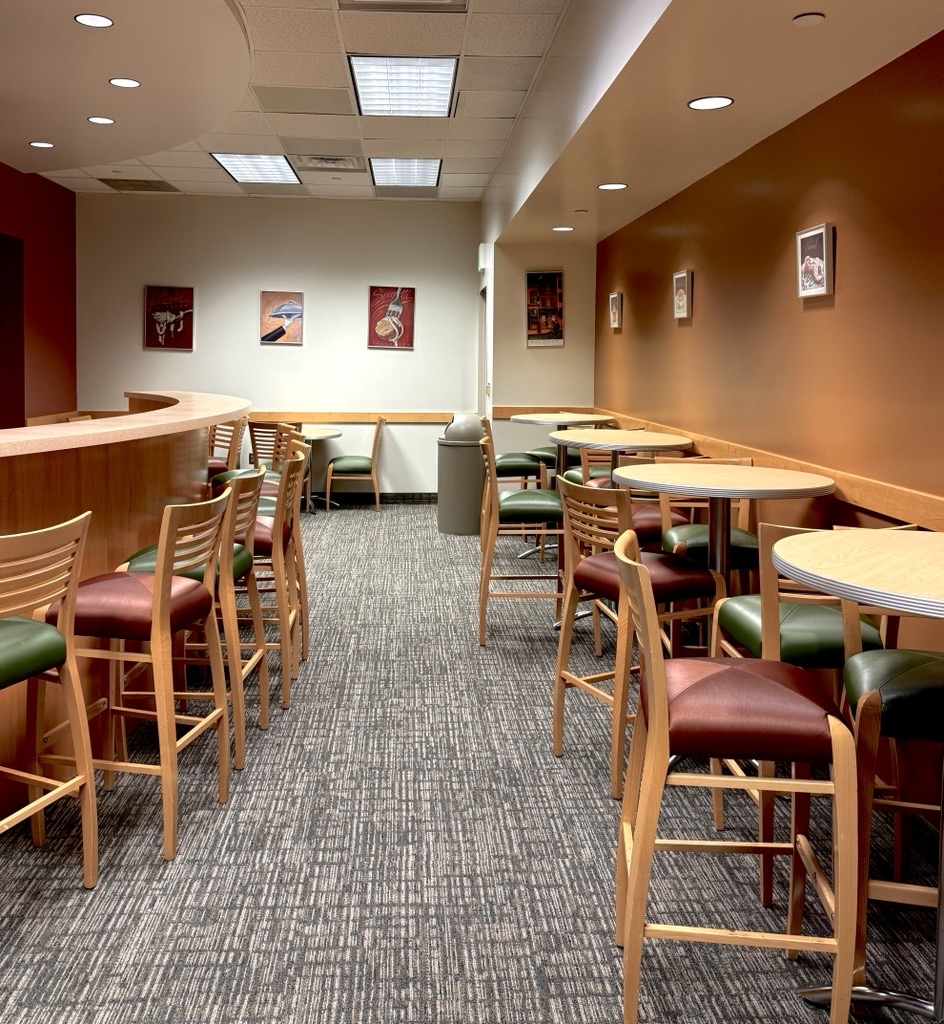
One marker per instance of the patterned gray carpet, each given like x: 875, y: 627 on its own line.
x: 401, y: 847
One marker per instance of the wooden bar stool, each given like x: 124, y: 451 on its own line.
x: 36, y: 569
x: 145, y: 609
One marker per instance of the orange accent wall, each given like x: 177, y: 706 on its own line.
x: 852, y: 381
x: 42, y: 214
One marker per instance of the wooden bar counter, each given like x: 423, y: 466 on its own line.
x: 124, y: 468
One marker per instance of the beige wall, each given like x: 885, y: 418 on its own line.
x: 851, y: 381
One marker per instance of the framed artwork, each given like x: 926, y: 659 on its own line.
x: 616, y: 310
x: 815, y: 261
x: 280, y: 318
x: 682, y: 294
x: 545, y: 309
x: 390, y: 317
x: 168, y: 318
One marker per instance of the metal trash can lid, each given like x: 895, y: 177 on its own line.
x: 465, y: 428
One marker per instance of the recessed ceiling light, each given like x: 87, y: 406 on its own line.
x: 41, y: 145
x: 412, y: 173
x: 404, y: 86
x: 257, y: 168
x: 562, y: 227
x: 102, y: 120
x: 612, y: 186
x: 809, y: 18
x: 710, y: 102
x: 94, y: 20
x: 124, y: 83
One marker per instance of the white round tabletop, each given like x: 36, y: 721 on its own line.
x: 560, y: 419
x: 621, y: 440
x: 898, y: 569
x: 316, y: 432
x: 719, y: 480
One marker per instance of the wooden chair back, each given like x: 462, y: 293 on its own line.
x: 226, y: 440
x: 269, y: 442
x: 695, y: 508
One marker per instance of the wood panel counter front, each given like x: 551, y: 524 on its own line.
x: 125, y: 468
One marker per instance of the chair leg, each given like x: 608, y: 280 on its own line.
x: 376, y: 485
x: 328, y: 489
x: 258, y: 632
x: 571, y: 599
x: 628, y: 811
x: 484, y: 579
x: 35, y: 727
x: 221, y: 725
x: 620, y: 716
x: 162, y: 665
x: 765, y: 811
x: 74, y: 699
x: 234, y: 662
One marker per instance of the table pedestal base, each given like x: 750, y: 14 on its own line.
x: 865, y: 994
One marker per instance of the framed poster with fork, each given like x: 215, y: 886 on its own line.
x: 390, y: 316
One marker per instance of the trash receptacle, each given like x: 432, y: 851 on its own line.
x: 461, y: 474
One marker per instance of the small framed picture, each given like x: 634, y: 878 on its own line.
x: 168, y: 318
x: 616, y: 310
x: 280, y: 318
x: 682, y: 294
x: 815, y: 261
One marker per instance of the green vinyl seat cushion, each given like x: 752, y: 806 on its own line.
x: 575, y: 476
x: 350, y: 464
x: 517, y: 464
x: 270, y: 480
x: 145, y: 560
x: 530, y: 506
x: 548, y: 455
x: 28, y: 648
x: 742, y: 550
x: 810, y: 634
x: 912, y: 687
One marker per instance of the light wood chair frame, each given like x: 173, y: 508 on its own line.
x: 372, y: 476
x: 226, y: 440
x: 36, y: 569
x: 190, y: 538
x: 648, y: 776
x: 492, y: 529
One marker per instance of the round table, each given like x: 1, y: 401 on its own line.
x: 559, y: 420
x: 719, y: 483
x: 616, y: 441
x: 316, y: 432
x: 904, y: 571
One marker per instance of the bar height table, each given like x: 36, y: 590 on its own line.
x: 719, y: 483
x: 616, y: 441
x: 904, y: 571
x: 560, y: 420
x: 315, y: 432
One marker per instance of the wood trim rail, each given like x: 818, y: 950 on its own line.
x: 294, y: 416
x: 884, y: 499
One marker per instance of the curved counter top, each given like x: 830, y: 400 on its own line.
x: 150, y: 414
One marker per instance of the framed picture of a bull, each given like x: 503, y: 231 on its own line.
x: 168, y: 318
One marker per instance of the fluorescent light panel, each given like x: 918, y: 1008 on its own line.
x: 257, y: 167
x: 389, y: 171
x: 404, y: 86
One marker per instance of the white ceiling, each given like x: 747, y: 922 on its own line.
x: 553, y: 95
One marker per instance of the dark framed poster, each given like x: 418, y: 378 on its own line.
x: 168, y: 318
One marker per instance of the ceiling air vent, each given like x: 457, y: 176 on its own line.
x: 131, y: 185
x: 327, y: 163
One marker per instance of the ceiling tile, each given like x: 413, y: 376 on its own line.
x: 259, y: 189
x: 468, y: 166
x: 509, y: 35
x: 248, y: 102
x: 278, y: 100
x: 337, y: 178
x: 175, y: 174
x: 219, y: 143
x: 178, y: 158
x: 314, y: 5
x: 74, y: 172
x: 404, y: 127
x: 489, y: 104
x: 514, y: 73
x: 461, y: 180
x: 477, y: 148
x: 342, y: 191
x: 85, y: 184
x: 243, y: 122
x: 407, y: 148
x: 461, y: 195
x: 519, y: 6
x: 209, y: 188
x: 480, y: 127
x: 300, y: 70
x: 127, y: 169
x: 309, y: 146
x: 334, y: 126
x: 435, y: 35
x: 289, y: 30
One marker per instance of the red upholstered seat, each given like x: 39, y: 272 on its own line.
x: 674, y: 578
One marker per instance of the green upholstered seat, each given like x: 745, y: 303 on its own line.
x: 742, y: 553
x: 350, y: 464
x: 28, y: 648
x: 517, y: 464
x: 530, y: 506
x: 575, y: 476
x: 145, y: 560
x: 911, y: 684
x: 548, y: 455
x: 810, y: 634
x: 221, y: 479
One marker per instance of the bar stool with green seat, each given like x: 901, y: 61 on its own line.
x: 236, y: 566
x: 517, y: 466
x: 37, y: 569
x: 357, y: 467
x: 148, y: 610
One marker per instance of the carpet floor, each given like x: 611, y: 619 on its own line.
x: 402, y: 847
